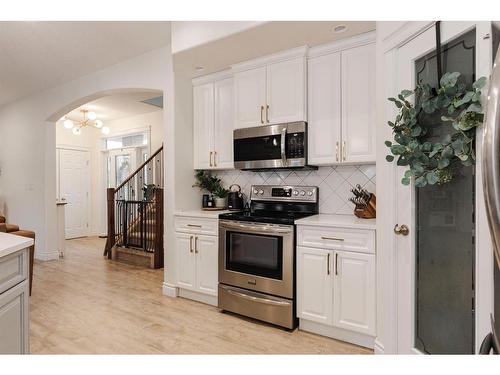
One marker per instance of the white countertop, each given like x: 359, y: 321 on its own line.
x: 202, y: 214
x: 10, y: 243
x: 344, y: 221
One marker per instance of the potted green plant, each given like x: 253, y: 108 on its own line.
x: 212, y: 184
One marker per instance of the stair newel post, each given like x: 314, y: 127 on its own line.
x: 110, y: 241
x: 158, y: 255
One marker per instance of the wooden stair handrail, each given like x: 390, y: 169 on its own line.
x: 139, y: 168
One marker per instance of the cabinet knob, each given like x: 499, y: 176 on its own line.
x: 403, y: 229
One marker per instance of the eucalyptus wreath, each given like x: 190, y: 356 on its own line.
x: 436, y: 162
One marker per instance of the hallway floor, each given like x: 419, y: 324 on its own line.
x: 85, y: 304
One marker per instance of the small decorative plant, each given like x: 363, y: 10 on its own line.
x: 212, y: 184
x: 148, y: 191
x: 428, y: 162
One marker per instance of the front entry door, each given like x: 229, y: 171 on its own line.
x: 74, y: 186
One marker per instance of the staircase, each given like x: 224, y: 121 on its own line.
x: 135, y: 219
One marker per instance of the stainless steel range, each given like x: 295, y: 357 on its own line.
x: 257, y: 253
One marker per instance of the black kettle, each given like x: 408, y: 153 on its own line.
x: 235, y: 198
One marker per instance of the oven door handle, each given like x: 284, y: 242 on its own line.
x: 266, y: 301
x: 283, y: 147
x: 265, y: 228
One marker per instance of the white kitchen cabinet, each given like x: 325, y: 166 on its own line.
x: 271, y: 90
x: 213, y: 122
x: 315, y: 285
x: 341, y: 103
x: 354, y: 292
x: 250, y: 98
x: 286, y: 85
x: 185, y: 260
x: 224, y: 124
x: 207, y: 251
x: 197, y: 254
x: 358, y: 104
x: 324, y: 112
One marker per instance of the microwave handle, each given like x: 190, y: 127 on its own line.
x: 283, y: 147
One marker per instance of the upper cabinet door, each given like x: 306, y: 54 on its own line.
x: 286, y: 96
x: 324, y: 112
x: 203, y: 119
x: 315, y: 285
x: 354, y: 292
x: 224, y: 124
x: 250, y: 98
x: 358, y: 104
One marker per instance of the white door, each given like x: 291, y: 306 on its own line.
x: 354, y: 292
x: 203, y: 120
x: 207, y: 255
x: 250, y: 98
x: 74, y: 185
x: 358, y: 104
x: 224, y: 124
x: 315, y: 285
x: 184, y: 245
x: 324, y: 112
x: 122, y: 163
x: 286, y: 91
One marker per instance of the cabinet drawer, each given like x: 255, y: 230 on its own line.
x: 348, y: 239
x: 196, y: 225
x: 13, y: 269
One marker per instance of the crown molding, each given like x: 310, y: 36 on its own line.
x: 213, y: 77
x: 341, y: 45
x: 271, y: 59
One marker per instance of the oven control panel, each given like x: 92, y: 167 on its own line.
x: 287, y: 193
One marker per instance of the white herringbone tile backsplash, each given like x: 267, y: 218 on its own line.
x: 334, y: 183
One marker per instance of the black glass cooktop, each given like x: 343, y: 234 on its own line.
x: 287, y: 218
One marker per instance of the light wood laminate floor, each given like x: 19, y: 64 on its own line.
x: 87, y: 304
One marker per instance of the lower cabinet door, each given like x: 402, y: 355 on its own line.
x: 206, y: 250
x: 354, y: 292
x: 14, y: 335
x: 184, y: 245
x: 315, y: 285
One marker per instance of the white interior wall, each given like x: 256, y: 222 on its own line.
x: 28, y: 138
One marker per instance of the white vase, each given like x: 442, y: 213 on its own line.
x: 220, y: 202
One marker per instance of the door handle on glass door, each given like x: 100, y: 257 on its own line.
x: 403, y: 229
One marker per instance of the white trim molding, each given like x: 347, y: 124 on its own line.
x: 169, y: 290
x: 209, y: 78
x: 271, y: 59
x: 341, y: 45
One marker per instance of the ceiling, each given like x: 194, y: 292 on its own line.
x: 261, y: 40
x: 35, y: 56
x: 113, y: 107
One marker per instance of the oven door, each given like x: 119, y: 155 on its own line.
x: 257, y: 256
x: 272, y: 146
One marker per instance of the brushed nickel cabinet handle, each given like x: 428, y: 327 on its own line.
x: 194, y: 225
x: 267, y: 113
x: 344, y: 150
x: 328, y: 264
x: 190, y: 244
x: 262, y: 114
x: 196, y: 244
x: 210, y: 157
x: 215, y: 158
x: 337, y: 151
x: 332, y: 238
x: 336, y: 263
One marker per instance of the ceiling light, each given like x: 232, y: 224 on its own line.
x: 199, y: 68
x: 68, y: 124
x: 77, y: 131
x: 105, y: 130
x: 339, y: 29
x: 98, y: 124
x: 91, y: 115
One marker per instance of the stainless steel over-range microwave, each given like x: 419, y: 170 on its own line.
x: 271, y: 146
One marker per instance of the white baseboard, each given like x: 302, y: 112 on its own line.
x: 337, y: 333
x: 378, y: 347
x: 169, y: 290
x: 200, y: 297
x: 46, y: 256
